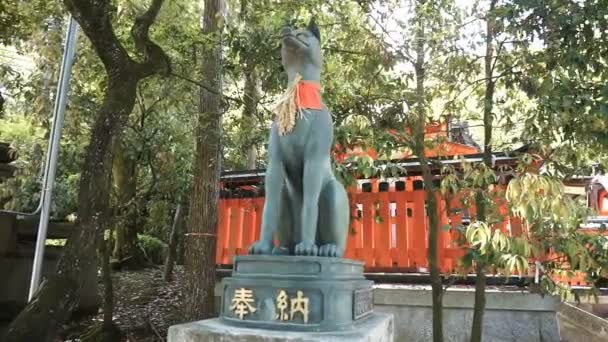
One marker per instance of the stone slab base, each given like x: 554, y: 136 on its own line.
x: 577, y: 325
x: 378, y: 327
x: 511, y: 315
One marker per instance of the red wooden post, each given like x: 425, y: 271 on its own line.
x: 249, y: 219
x: 419, y: 244
x: 382, y: 235
x: 602, y: 204
x: 442, y: 236
x: 357, y: 226
x: 401, y: 249
x: 367, y: 200
x: 411, y: 228
x: 455, y: 251
x: 353, y: 233
x: 222, y: 232
x: 236, y: 227
x: 259, y: 209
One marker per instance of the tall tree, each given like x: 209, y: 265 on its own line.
x: 56, y: 298
x: 488, y: 104
x: 124, y: 175
x: 250, y: 103
x: 433, y: 55
x: 201, y: 240
x: 565, y: 75
x: 418, y: 130
x: 173, y: 241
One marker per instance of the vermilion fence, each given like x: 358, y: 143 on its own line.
x: 389, y: 226
x: 388, y: 231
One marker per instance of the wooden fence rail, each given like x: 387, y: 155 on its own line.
x: 388, y: 230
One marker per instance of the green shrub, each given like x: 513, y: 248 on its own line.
x: 153, y: 248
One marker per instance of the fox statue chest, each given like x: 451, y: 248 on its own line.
x: 312, y: 132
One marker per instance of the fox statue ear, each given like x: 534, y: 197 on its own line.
x: 314, y: 29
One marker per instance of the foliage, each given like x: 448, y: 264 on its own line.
x: 492, y: 247
x: 563, y: 72
x: 551, y: 238
x: 252, y: 39
x: 550, y: 90
x: 156, y: 135
x: 554, y: 228
x: 154, y: 249
x: 485, y: 241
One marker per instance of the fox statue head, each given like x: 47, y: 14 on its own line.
x: 301, y: 51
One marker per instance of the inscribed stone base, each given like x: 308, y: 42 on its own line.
x: 296, y: 293
x: 377, y: 327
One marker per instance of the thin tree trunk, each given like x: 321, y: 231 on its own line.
x: 57, y: 296
x: 124, y: 172
x: 252, y: 157
x: 108, y: 290
x: 200, y: 242
x: 181, y: 248
x: 251, y: 99
x: 419, y: 147
x: 173, y: 242
x: 480, y: 275
x: 250, y: 102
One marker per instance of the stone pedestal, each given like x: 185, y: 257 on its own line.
x: 296, y: 293
x: 292, y: 298
x: 376, y: 327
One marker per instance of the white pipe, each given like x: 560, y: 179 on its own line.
x: 69, y: 51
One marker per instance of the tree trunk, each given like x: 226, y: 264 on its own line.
x: 419, y: 147
x: 200, y: 242
x: 480, y: 276
x: 173, y: 242
x: 57, y: 296
x: 181, y: 246
x: 480, y: 303
x: 250, y: 103
x: 251, y: 99
x: 108, y: 290
x: 252, y: 157
x: 124, y: 171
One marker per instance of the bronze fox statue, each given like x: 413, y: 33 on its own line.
x: 305, y: 204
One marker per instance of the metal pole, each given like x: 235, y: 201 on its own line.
x: 69, y: 50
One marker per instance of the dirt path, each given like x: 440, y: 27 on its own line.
x: 145, y: 306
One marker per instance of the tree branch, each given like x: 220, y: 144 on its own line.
x: 496, y: 56
x: 349, y: 52
x: 204, y: 86
x: 215, y: 92
x: 93, y: 18
x: 155, y: 59
x: 401, y: 52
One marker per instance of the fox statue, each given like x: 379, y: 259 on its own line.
x: 305, y: 205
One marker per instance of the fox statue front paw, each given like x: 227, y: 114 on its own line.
x: 330, y: 250
x: 306, y: 248
x: 261, y: 247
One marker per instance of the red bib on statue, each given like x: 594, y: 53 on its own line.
x: 309, y: 95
